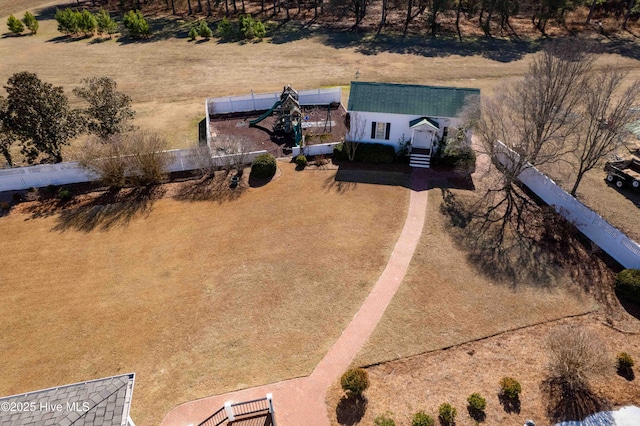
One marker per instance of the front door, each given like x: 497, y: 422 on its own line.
x: 422, y: 139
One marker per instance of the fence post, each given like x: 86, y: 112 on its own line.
x: 229, y: 410
x: 253, y: 100
x: 273, y: 414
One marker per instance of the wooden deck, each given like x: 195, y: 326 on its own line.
x: 257, y: 420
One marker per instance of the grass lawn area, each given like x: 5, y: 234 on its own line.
x: 196, y: 298
x: 444, y: 300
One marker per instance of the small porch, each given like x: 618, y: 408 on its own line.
x: 424, y: 131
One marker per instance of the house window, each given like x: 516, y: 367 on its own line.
x: 380, y: 130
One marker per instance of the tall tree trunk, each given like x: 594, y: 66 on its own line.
x: 243, y: 10
x: 262, y: 6
x: 286, y: 6
x: 627, y: 13
x: 315, y: 9
x: 199, y: 6
x: 209, y: 12
x: 226, y: 7
x: 434, y: 22
x: 383, y: 16
x: 173, y: 7
x: 458, y: 9
x: 167, y: 3
x: 593, y: 6
x: 189, y: 6
x: 408, y: 20
x: 299, y: 6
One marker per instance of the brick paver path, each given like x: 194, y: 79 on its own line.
x: 301, y: 401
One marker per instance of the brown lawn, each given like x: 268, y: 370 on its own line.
x: 445, y: 300
x: 425, y: 381
x: 197, y: 298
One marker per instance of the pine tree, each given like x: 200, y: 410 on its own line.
x: 31, y: 22
x: 106, y: 25
x: 136, y: 24
x: 193, y: 33
x: 14, y: 24
x: 205, y: 31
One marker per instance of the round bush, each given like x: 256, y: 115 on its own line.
x: 264, y: 166
x: 384, y: 420
x: 510, y: 387
x: 477, y: 402
x: 301, y: 161
x: 422, y: 419
x: 628, y: 284
x: 447, y: 413
x: 64, y: 194
x: 625, y: 362
x: 355, y: 381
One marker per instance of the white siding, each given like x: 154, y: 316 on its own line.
x: 399, y: 126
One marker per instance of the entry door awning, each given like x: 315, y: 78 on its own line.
x: 424, y: 121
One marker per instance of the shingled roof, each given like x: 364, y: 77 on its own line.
x: 408, y: 99
x: 102, y: 402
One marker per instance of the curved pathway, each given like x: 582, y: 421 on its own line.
x: 301, y: 401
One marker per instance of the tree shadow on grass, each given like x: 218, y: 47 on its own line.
x: 567, y: 403
x: 216, y: 188
x: 626, y: 373
x: 478, y: 415
x: 111, y: 209
x: 538, y: 249
x: 510, y: 405
x: 351, y: 409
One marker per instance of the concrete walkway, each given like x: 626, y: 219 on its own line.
x: 301, y: 401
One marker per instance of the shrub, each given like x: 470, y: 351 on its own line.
x: 384, y: 420
x: 225, y: 29
x: 477, y: 402
x: 64, y: 194
x: 17, y: 197
x: 320, y: 160
x: 375, y: 153
x: 31, y: 22
x: 264, y: 166
x: 422, y: 419
x: 193, y: 33
x: 510, y: 388
x: 204, y: 31
x: 250, y: 28
x: 67, y: 21
x: 447, y: 413
x: 14, y: 24
x: 87, y: 23
x: 106, y: 25
x: 625, y: 361
x: 148, y: 162
x: 301, y: 161
x: 339, y: 153
x: 628, y: 284
x: 51, y: 188
x: 355, y: 381
x: 136, y: 24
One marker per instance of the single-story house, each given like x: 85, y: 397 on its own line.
x: 101, y: 402
x: 396, y: 114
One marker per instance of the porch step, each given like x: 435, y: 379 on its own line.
x: 420, y: 160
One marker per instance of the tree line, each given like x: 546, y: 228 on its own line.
x: 488, y: 14
x: 36, y: 116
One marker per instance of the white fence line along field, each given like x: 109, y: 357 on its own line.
x: 610, y: 239
x: 20, y: 178
x: 264, y: 101
x: 319, y: 149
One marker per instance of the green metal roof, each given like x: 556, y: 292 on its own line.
x: 409, y: 99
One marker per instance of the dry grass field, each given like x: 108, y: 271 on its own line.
x: 444, y: 299
x: 196, y: 297
x: 168, y: 77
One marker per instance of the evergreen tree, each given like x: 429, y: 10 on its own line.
x: 109, y: 111
x: 205, y: 31
x: 106, y: 25
x: 31, y: 22
x: 87, y: 23
x: 193, y: 33
x: 14, y: 24
x: 39, y: 116
x: 136, y: 24
x: 67, y: 21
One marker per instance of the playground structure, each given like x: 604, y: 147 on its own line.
x: 288, y: 115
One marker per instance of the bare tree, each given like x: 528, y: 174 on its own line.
x: 230, y: 152
x: 603, y: 119
x: 356, y: 129
x: 106, y: 157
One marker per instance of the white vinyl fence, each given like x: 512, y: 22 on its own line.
x: 264, y: 101
x: 19, y: 178
x: 320, y: 149
x: 595, y: 227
